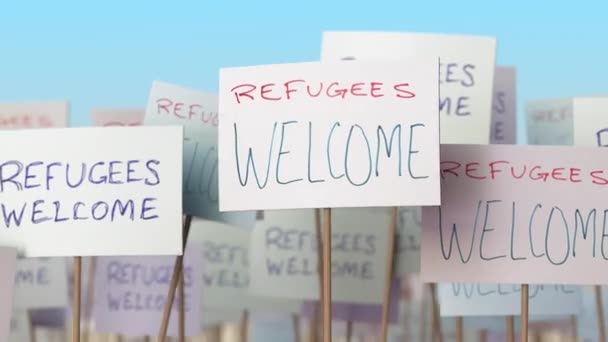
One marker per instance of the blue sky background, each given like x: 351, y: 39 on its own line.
x: 107, y: 53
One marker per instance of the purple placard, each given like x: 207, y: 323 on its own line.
x: 130, y: 293
x: 368, y: 313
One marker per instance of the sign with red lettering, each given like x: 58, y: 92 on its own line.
x: 550, y: 122
x: 337, y: 134
x: 518, y: 214
x: 117, y: 117
x: 466, y: 73
x: 196, y: 111
x: 33, y: 115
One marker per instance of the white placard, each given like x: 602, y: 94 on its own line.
x: 459, y: 299
x: 171, y: 104
x: 284, y: 255
x: 466, y: 73
x: 590, y: 121
x: 20, y: 327
x: 550, y: 122
x: 34, y: 115
x: 92, y: 191
x: 407, y: 252
x: 117, y: 117
x: 41, y: 283
x: 504, y: 107
x: 336, y: 134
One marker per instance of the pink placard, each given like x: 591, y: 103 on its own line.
x: 518, y: 214
x: 33, y: 115
x: 117, y: 117
x: 8, y: 264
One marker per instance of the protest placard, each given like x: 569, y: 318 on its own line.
x: 33, y: 115
x: 130, y: 293
x: 462, y: 299
x: 8, y: 261
x: 504, y: 107
x: 337, y: 134
x: 197, y: 112
x: 41, y: 283
x: 117, y: 117
x: 466, y: 73
x: 590, y: 122
x: 549, y: 122
x: 20, y: 327
x: 92, y: 191
x: 284, y: 259
x: 505, y: 218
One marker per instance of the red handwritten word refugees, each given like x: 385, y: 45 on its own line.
x: 293, y: 88
x: 25, y: 121
x: 504, y: 168
x: 186, y: 111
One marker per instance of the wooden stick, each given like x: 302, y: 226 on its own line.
x: 459, y: 329
x: 244, y: 328
x: 88, y: 305
x: 31, y: 326
x: 349, y: 331
x: 326, y: 275
x: 177, y: 268
x: 437, y: 335
x: 510, y: 329
x: 523, y: 335
x: 296, y: 327
x: 318, y: 323
x: 483, y: 335
x: 574, y: 323
x: 599, y: 306
x: 76, y: 304
x: 389, y: 273
x: 182, y: 307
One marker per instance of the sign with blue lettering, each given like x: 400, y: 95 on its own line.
x: 284, y: 256
x: 504, y: 107
x: 466, y: 73
x: 196, y: 111
x: 550, y: 122
x: 41, y: 283
x: 336, y: 134
x: 92, y: 191
x: 463, y: 299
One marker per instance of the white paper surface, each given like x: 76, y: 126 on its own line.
x: 41, y: 283
x: 196, y: 111
x: 550, y: 122
x: 458, y: 299
x: 284, y: 255
x: 466, y: 73
x: 504, y: 107
x: 328, y: 149
x: 34, y: 115
x: 20, y: 327
x: 90, y: 213
x: 8, y: 260
x: 590, y: 121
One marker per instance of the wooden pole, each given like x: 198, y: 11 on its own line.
x: 389, y: 273
x: 510, y: 329
x: 459, y: 329
x: 574, y: 323
x: 483, y: 335
x: 523, y: 336
x: 317, y: 323
x: 437, y: 334
x: 182, y: 307
x: 244, y: 328
x: 349, y: 331
x: 177, y: 268
x: 326, y: 275
x: 76, y: 303
x: 88, y: 305
x: 599, y: 306
x: 296, y: 327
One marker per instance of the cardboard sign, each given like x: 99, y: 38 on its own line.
x: 92, y: 191
x: 170, y: 104
x: 117, y: 117
x: 505, y: 217
x: 465, y: 77
x: 461, y: 299
x: 504, y: 107
x: 590, y: 121
x: 407, y: 252
x: 33, y: 115
x: 284, y: 258
x: 8, y: 261
x: 369, y: 313
x: 131, y: 292
x: 41, y: 283
x: 550, y: 122
x: 337, y: 134
x: 20, y: 330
